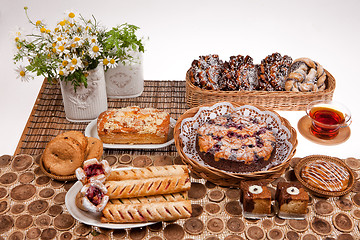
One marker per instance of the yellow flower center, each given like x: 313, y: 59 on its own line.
x: 43, y: 30
x: 62, y: 23
x: 112, y: 61
x: 61, y: 48
x: 38, y: 22
x: 48, y: 31
x: 71, y: 15
x: 95, y: 48
x: 76, y: 39
x: 17, y: 39
x: 59, y: 39
x: 73, y: 45
x: 74, y: 61
x: 65, y: 63
x: 54, y: 44
x: 54, y: 50
x: 72, y: 68
x: 18, y: 46
x: 105, y: 61
x: 22, y: 73
x: 93, y: 40
x: 86, y: 74
x: 61, y: 73
x: 56, y: 29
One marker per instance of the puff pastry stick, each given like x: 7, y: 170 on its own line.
x: 147, y: 187
x: 148, y: 172
x: 146, y: 212
x: 172, y: 197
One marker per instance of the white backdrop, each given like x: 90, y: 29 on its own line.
x: 180, y: 31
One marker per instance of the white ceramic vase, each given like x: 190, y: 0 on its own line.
x: 125, y: 81
x: 86, y: 103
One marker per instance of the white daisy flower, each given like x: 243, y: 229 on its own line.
x: 105, y: 61
x: 76, y: 41
x: 23, y: 74
x: 62, y: 71
x: 75, y: 62
x: 62, y: 50
x: 92, y: 39
x: 17, y: 36
x: 95, y: 50
x: 71, y: 15
x: 113, y: 62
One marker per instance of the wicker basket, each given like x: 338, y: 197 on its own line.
x: 277, y: 100
x: 223, y: 178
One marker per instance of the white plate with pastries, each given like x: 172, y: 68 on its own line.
x: 93, y: 219
x: 91, y: 131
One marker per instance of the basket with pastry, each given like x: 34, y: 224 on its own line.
x: 66, y: 152
x: 227, y: 143
x: 134, y: 195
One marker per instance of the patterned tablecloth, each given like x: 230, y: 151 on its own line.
x: 32, y: 205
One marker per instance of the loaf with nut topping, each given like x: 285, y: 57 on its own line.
x: 133, y: 125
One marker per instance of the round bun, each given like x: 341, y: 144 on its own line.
x: 94, y: 148
x: 62, y: 156
x: 78, y: 136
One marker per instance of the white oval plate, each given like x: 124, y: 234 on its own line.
x: 93, y: 219
x: 91, y: 131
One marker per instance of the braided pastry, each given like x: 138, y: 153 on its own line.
x: 272, y: 72
x: 146, y: 212
x: 239, y: 74
x: 305, y: 75
x: 206, y: 72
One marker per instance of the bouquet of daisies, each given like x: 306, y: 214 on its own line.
x: 75, y: 46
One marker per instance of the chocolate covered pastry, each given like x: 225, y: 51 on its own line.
x: 272, y: 72
x: 239, y: 74
x: 206, y: 72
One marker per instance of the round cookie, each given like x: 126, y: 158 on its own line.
x: 94, y: 148
x: 62, y: 156
x: 343, y: 222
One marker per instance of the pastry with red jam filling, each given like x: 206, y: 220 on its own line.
x: 93, y: 170
x: 92, y: 197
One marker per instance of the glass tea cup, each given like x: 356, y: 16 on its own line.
x: 327, y: 118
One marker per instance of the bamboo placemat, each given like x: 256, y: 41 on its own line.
x: 48, y: 119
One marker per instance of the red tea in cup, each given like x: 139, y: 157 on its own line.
x: 326, y: 121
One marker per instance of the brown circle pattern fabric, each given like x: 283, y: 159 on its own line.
x: 32, y: 206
